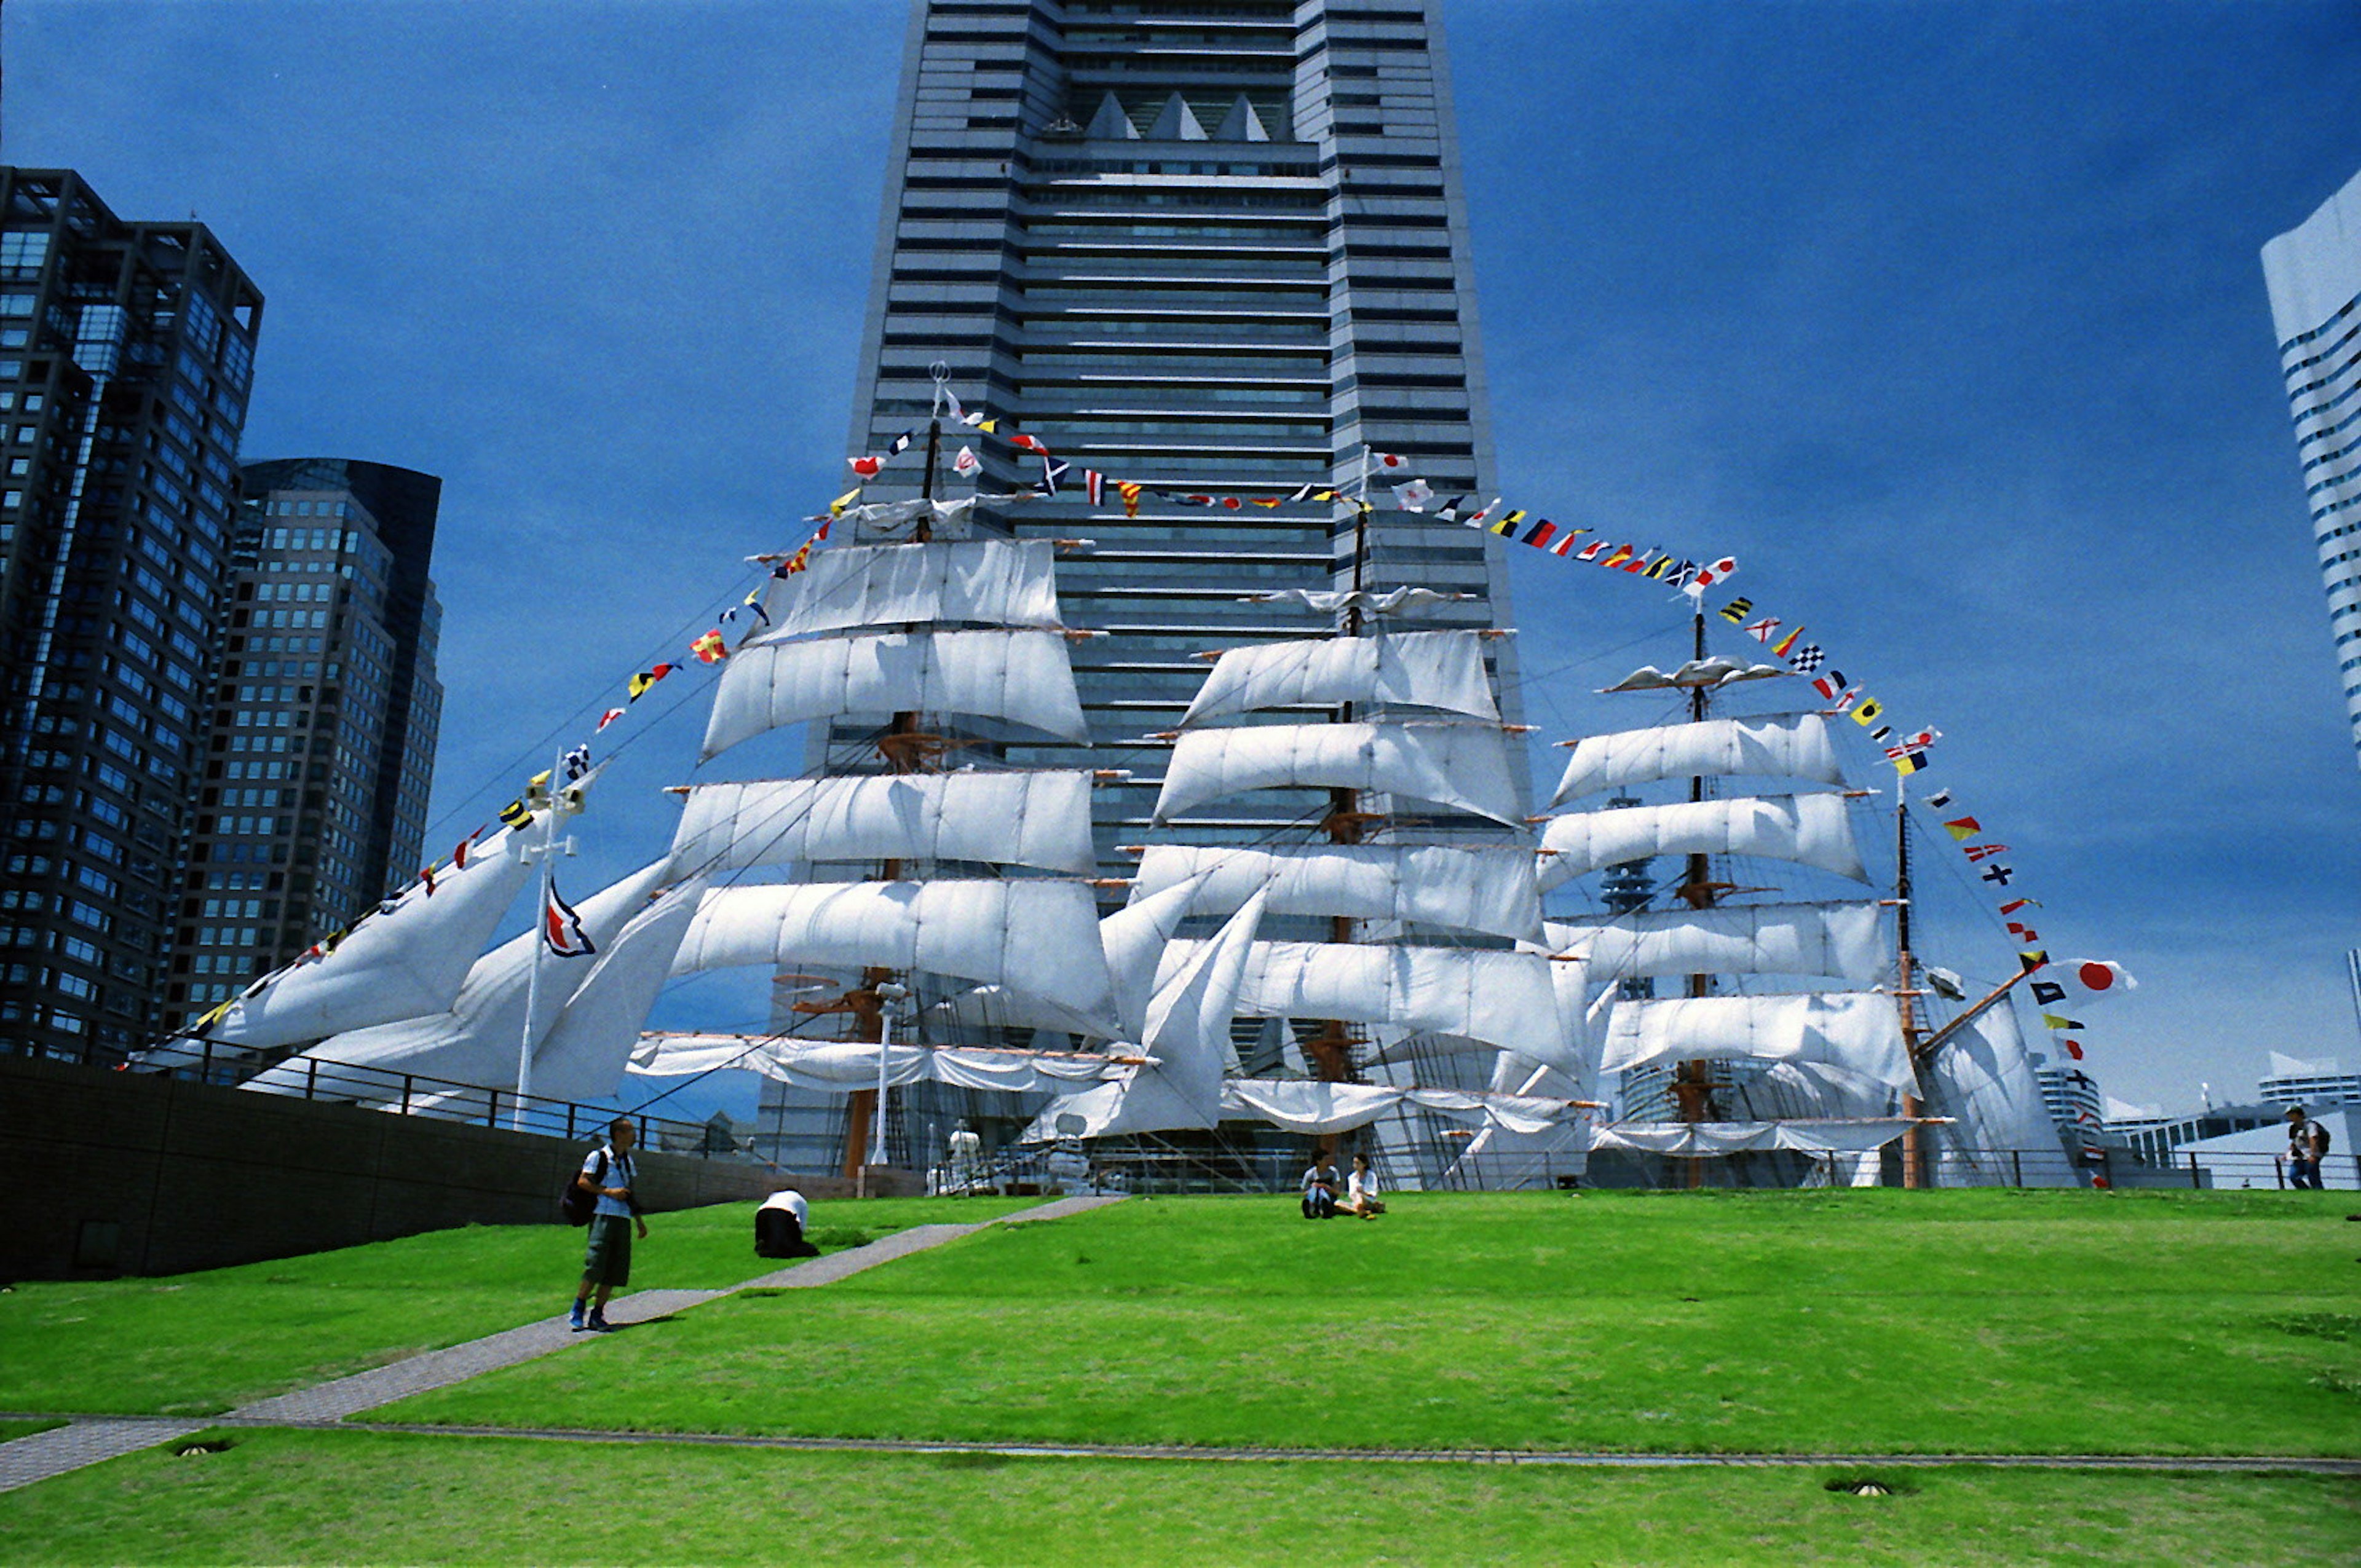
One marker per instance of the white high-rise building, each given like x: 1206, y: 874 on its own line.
x: 2314, y: 275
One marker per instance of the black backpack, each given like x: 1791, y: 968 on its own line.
x: 575, y: 1206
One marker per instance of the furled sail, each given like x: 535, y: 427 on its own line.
x: 1859, y: 1031
x: 1041, y: 934
x: 1502, y: 999
x: 1310, y: 1106
x: 1428, y: 669
x: 1838, y: 940
x: 1793, y: 745
x: 1737, y: 1137
x: 1465, y: 766
x: 588, y: 1046
x: 1403, y: 601
x: 1023, y: 676
x: 476, y: 1040
x: 1020, y: 819
x: 408, y: 961
x: 840, y: 1067
x: 999, y: 582
x: 1485, y: 888
x: 1811, y: 829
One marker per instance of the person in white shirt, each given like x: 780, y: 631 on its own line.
x: 967, y: 1156
x: 780, y: 1225
x: 1361, y: 1190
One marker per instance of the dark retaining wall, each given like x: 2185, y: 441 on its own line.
x: 107, y: 1173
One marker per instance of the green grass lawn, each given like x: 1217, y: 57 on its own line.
x: 1802, y: 1323
x: 200, y: 1343
x: 282, y: 1497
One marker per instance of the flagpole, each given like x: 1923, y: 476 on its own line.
x: 540, y: 943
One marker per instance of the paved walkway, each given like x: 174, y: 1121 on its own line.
x: 94, y: 1438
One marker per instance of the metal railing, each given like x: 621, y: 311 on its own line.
x: 440, y: 1099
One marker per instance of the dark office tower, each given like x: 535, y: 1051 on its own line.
x: 126, y: 351
x: 1213, y: 248
x: 313, y: 801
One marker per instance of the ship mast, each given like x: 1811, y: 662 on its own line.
x: 1692, y: 1080
x: 1330, y: 1052
x: 1906, y: 991
x: 905, y: 751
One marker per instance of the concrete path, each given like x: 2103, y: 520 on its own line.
x: 93, y: 1439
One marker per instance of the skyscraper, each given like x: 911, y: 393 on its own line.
x: 1218, y: 248
x: 1210, y: 247
x: 313, y: 801
x: 2313, y: 272
x: 125, y: 354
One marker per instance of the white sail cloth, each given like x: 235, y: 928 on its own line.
x: 1811, y: 829
x: 1737, y: 1137
x: 586, y: 1047
x: 1043, y: 935
x: 1308, y: 1105
x: 1858, y: 1031
x: 1838, y: 940
x: 1134, y: 936
x: 1403, y: 601
x: 946, y: 520
x: 1028, y: 819
x: 408, y: 961
x: 1489, y: 888
x: 1503, y: 999
x: 1022, y: 676
x: 1793, y: 745
x: 1711, y: 674
x: 844, y: 1067
x: 999, y: 582
x: 1465, y: 766
x: 478, y: 1039
x: 1427, y: 669
x: 1187, y: 1041
x: 1981, y: 1077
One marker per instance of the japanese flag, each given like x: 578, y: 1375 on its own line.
x: 2092, y: 977
x: 1414, y: 496
x: 866, y: 466
x: 1389, y: 459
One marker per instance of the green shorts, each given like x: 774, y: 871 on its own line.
x: 608, y: 1259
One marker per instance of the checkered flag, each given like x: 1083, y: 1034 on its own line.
x: 1808, y: 658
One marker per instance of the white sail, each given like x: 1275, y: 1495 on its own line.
x: 1711, y: 674
x: 1503, y: 999
x: 1794, y: 745
x: 1309, y: 1106
x: 588, y: 1046
x: 1982, y: 1076
x: 998, y: 582
x: 1043, y: 936
x: 1023, y: 676
x: 1428, y: 669
x: 1023, y: 818
x: 1695, y: 1138
x: 1403, y: 601
x: 1135, y: 938
x: 1188, y: 1043
x: 1489, y: 888
x: 408, y: 961
x: 1811, y: 829
x: 476, y: 1040
x: 1855, y: 1030
x: 1465, y: 766
x: 842, y: 1066
x: 1838, y: 940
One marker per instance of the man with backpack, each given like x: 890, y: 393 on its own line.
x: 2307, y: 1147
x: 607, y: 1177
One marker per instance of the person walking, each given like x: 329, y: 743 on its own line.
x: 2307, y: 1147
x: 610, y: 1175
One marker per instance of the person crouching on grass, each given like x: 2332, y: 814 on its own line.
x: 607, y: 1261
x: 1361, y: 1190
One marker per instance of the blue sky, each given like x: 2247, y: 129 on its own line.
x: 1945, y: 319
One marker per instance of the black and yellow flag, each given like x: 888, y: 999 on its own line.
x: 1737, y: 610
x: 516, y: 815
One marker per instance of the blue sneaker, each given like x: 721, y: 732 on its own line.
x: 598, y: 1323
x: 573, y: 1317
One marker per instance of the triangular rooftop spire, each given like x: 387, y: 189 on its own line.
x: 1176, y: 122
x: 1241, y: 124
x: 1111, y: 124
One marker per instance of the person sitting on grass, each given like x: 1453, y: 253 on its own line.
x: 607, y: 1261
x: 1361, y: 1191
x: 1320, y: 1189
